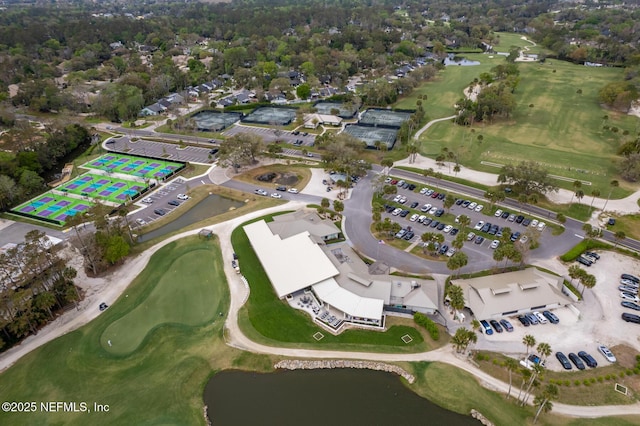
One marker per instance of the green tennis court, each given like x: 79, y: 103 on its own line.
x: 52, y: 208
x: 147, y: 168
x: 105, y: 187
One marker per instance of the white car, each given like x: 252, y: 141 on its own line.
x: 397, y: 198
x: 479, y: 225
x: 607, y: 353
x: 498, y: 213
x: 396, y: 212
x: 387, y: 180
x: 421, y: 218
x: 425, y: 208
x: 534, y: 223
x: 541, y: 226
x: 276, y: 195
x: 524, y: 239
x: 494, y: 244
x: 451, y: 252
x: 470, y: 236
x: 447, y: 229
x: 433, y: 210
x: 541, y: 318
x: 414, y: 217
x: 479, y: 208
x: 141, y: 222
x: 183, y: 197
x: 472, y: 205
x: 629, y: 283
x: 292, y: 191
x: 403, y: 199
x: 424, y: 190
x: 147, y: 200
x: 261, y: 192
x: 629, y: 296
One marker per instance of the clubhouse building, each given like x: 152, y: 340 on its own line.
x: 329, y: 280
x: 512, y: 293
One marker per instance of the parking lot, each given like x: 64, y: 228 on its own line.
x: 160, y: 199
x: 598, y: 322
x: 166, y: 151
x: 422, y: 209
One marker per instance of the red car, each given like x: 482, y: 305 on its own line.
x: 434, y: 195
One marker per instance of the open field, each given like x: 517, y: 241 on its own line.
x: 159, y: 383
x: 270, y: 320
x: 552, y: 124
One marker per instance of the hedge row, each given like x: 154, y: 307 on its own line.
x: 427, y: 323
x: 581, y: 247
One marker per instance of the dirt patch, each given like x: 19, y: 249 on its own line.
x: 625, y: 355
x: 290, y: 179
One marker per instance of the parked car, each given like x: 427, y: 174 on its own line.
x: 276, y: 195
x: 629, y: 296
x: 429, y: 192
x: 607, y: 353
x: 433, y: 210
x: 409, y: 235
x: 630, y: 305
x: 526, y: 221
x: 396, y: 212
x: 511, y: 218
x: 466, y: 203
x: 630, y: 283
x: 141, y: 222
x: 588, y: 359
x: 541, y: 226
x: 524, y: 239
x: 524, y: 320
x: 631, y: 318
x: 628, y: 289
x: 404, y: 213
x: 447, y: 229
x: 470, y: 236
x: 519, y: 219
x: 423, y: 190
x: 292, y: 191
x: 532, y: 318
x: 439, y: 212
x: 479, y: 239
x: 494, y: 244
x: 486, y: 227
x: 414, y: 204
x: 175, y: 203
x: 563, y: 360
x: 534, y: 223
x: 514, y: 237
x: 443, y: 249
x: 498, y: 213
x: 401, y: 233
x: 451, y: 252
x: 160, y: 212
x: 592, y: 254
x: 414, y: 217
x: 479, y: 225
x: 486, y: 328
x: 261, y: 192
x: 493, y: 230
x: 478, y: 208
x: 454, y: 231
x: 147, y: 200
x: 472, y: 205
x: 506, y: 325
x: 576, y: 361
x: 630, y: 277
x: 425, y: 208
x: 281, y: 188
x: 441, y: 226
x: 496, y: 326
x: 427, y: 221
x: 186, y: 197
x: 541, y: 318
x: 553, y: 319
x: 505, y: 215
x: 584, y: 261
x: 421, y: 218
x: 434, y: 224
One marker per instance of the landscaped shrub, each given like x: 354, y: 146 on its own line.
x: 621, y: 374
x: 607, y: 377
x: 576, y: 382
x: 592, y: 380
x: 586, y: 382
x: 428, y: 324
x: 629, y: 372
x: 567, y: 383
x: 601, y: 379
x: 581, y: 247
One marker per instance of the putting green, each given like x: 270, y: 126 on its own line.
x: 185, y: 292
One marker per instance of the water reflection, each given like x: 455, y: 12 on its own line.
x: 322, y: 398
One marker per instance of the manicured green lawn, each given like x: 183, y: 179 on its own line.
x: 159, y: 383
x: 507, y: 40
x: 180, y: 296
x: 270, y: 320
x: 552, y: 123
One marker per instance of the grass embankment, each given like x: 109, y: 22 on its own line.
x: 269, y: 320
x: 302, y: 172
x: 629, y: 224
x: 160, y: 382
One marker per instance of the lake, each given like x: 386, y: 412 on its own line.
x: 321, y: 397
x: 213, y: 205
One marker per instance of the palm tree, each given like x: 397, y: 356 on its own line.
x: 574, y: 272
x: 426, y: 238
x: 588, y: 281
x: 511, y: 365
x: 464, y: 221
x: 543, y: 401
x: 579, y: 194
x: 457, y: 261
x: 576, y: 185
x: 544, y: 349
x: 456, y: 298
x: 529, y: 341
x: 613, y: 184
x: 537, y: 369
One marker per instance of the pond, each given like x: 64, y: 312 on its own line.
x: 458, y: 60
x: 321, y: 397
x: 213, y: 205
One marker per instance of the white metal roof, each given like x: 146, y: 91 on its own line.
x: 291, y: 264
x: 350, y: 303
